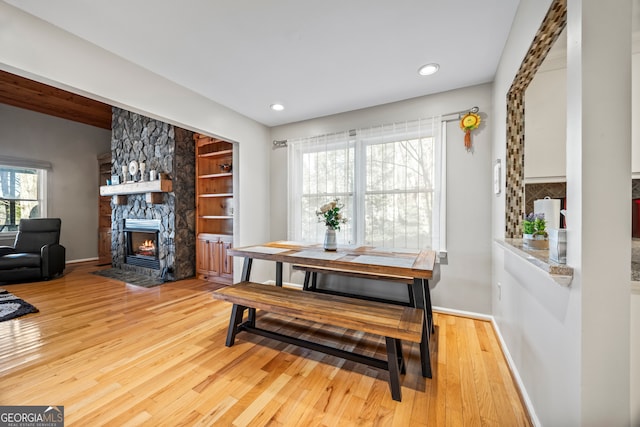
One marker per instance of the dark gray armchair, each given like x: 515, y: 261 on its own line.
x: 36, y: 253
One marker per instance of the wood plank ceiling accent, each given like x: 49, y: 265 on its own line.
x: 31, y: 95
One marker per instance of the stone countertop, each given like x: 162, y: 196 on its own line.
x: 560, y: 273
x: 540, y: 258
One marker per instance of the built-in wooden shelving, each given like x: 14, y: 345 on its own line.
x: 104, y: 212
x: 214, y: 209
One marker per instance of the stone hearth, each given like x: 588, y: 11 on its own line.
x: 166, y: 149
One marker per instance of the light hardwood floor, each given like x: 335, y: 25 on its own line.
x: 117, y: 354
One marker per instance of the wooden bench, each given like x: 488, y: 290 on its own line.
x: 393, y: 322
x: 311, y: 280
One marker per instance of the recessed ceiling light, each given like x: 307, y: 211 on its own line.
x: 277, y: 107
x: 427, y: 70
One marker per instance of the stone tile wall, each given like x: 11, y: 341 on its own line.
x: 555, y: 190
x: 635, y: 188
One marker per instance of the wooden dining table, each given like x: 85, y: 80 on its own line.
x: 377, y: 263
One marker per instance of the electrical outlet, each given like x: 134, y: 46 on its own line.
x: 499, y: 291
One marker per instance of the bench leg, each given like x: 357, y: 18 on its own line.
x: 314, y: 281
x: 394, y: 370
x: 237, y: 313
x: 425, y: 357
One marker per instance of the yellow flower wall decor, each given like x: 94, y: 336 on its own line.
x: 469, y: 122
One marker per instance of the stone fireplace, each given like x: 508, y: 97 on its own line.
x: 154, y: 237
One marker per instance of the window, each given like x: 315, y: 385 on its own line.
x: 22, y: 192
x: 388, y: 177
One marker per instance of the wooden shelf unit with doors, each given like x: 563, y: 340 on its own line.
x: 214, y: 209
x: 104, y: 211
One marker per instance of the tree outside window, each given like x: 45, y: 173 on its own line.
x: 20, y: 195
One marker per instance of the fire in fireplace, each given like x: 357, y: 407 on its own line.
x: 147, y: 248
x: 141, y: 240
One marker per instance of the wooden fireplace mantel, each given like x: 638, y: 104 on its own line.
x: 153, y: 190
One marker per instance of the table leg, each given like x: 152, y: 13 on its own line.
x: 279, y: 274
x: 412, y: 303
x: 427, y: 303
x: 246, y: 269
x: 419, y: 299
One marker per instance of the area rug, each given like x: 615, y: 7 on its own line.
x: 11, y: 306
x: 129, y: 277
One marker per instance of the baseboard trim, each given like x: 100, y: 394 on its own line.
x: 76, y: 261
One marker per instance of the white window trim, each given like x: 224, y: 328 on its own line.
x: 439, y: 240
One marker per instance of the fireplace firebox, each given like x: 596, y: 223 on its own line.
x: 142, y: 242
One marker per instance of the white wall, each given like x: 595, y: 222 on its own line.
x: 634, y: 374
x: 571, y: 345
x: 35, y: 49
x: 546, y: 125
x: 598, y: 188
x: 531, y: 333
x: 635, y: 105
x: 545, y: 154
x: 72, y: 149
x: 465, y: 279
x: 546, y: 121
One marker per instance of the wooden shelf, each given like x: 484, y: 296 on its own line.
x: 216, y: 217
x: 216, y: 195
x: 155, y: 186
x: 212, y: 236
x: 216, y: 175
x: 217, y: 153
x: 152, y: 189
